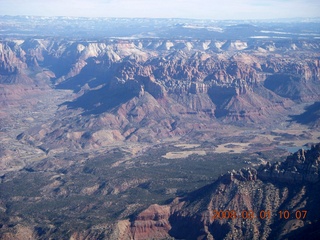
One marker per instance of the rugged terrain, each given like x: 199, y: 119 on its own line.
x: 87, y: 200
x: 292, y: 185
x: 119, y: 129
x: 149, y: 90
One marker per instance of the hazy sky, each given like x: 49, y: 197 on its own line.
x: 209, y: 9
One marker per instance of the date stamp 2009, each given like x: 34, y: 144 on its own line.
x: 263, y: 214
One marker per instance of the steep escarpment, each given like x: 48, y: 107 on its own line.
x: 310, y: 117
x: 138, y: 90
x: 103, y: 120
x: 152, y: 223
x: 244, y: 204
x: 301, y: 167
x: 19, y: 79
x: 143, y: 89
x: 12, y: 58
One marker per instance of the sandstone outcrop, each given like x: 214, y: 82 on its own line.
x: 268, y: 190
x: 152, y: 223
x: 229, y: 82
x: 301, y: 167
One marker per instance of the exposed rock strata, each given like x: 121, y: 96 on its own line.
x: 301, y: 167
x: 268, y: 189
x: 133, y: 85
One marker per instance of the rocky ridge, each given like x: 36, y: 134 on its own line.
x: 62, y: 173
x: 301, y: 167
x: 124, y: 86
x: 191, y: 216
x: 267, y: 189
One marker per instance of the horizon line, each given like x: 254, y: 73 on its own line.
x: 164, y: 18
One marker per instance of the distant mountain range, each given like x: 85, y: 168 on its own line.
x: 127, y: 90
x: 153, y: 79
x: 90, y: 110
x: 92, y: 28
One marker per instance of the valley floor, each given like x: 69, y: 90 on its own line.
x: 44, y: 108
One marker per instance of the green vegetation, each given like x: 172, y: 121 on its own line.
x: 95, y: 193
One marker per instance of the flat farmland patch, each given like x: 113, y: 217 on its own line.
x: 232, y: 147
x: 183, y: 154
x: 187, y: 146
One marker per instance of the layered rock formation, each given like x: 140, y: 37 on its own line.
x: 243, y: 204
x: 62, y: 173
x: 140, y: 86
x: 301, y: 167
x: 152, y: 223
x: 269, y: 189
